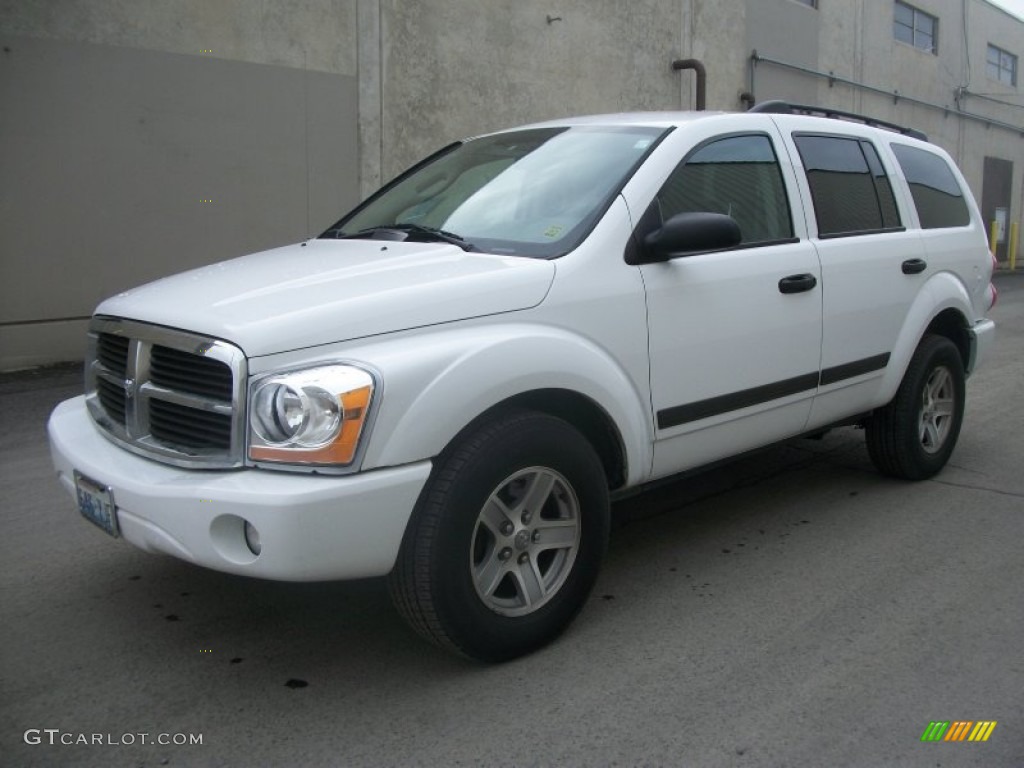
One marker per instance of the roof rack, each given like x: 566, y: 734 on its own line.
x: 785, y: 108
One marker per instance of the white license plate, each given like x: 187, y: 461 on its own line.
x: 96, y: 503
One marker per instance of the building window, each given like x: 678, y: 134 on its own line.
x: 1001, y: 65
x: 915, y: 27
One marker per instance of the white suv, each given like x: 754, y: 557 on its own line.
x: 450, y: 384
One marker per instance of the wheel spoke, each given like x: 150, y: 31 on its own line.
x: 494, y: 515
x: 938, y: 408
x: 490, y: 573
x: 557, y: 534
x: 529, y: 583
x: 937, y: 385
x: 541, y: 485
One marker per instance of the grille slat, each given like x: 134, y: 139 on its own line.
x: 112, y: 399
x: 112, y: 352
x: 181, y: 425
x: 197, y: 375
x: 200, y: 418
x: 171, y: 395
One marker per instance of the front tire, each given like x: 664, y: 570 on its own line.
x: 506, y: 540
x: 913, y: 436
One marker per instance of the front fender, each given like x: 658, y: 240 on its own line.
x: 942, y: 291
x: 476, y: 369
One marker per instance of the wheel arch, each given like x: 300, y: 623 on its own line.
x: 589, y: 418
x: 942, y: 307
x: 537, y: 368
x: 952, y: 324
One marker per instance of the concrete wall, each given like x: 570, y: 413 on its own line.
x: 299, y: 34
x: 456, y: 68
x: 121, y: 116
x: 439, y: 70
x: 138, y: 139
x: 790, y: 29
x: 444, y: 69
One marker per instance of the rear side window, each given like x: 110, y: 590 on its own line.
x: 850, y: 189
x: 735, y: 175
x: 937, y: 196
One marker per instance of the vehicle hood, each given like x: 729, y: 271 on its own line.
x: 327, y: 291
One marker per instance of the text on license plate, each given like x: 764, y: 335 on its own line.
x: 96, y: 503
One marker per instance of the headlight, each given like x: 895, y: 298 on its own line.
x: 315, y: 416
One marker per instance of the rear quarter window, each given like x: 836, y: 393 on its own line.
x: 937, y: 195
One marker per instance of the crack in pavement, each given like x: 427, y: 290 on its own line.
x: 969, y: 487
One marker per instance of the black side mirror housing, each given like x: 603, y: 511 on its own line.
x: 686, y: 234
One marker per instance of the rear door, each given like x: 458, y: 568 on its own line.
x: 872, y: 267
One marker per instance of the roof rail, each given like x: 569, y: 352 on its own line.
x: 785, y: 108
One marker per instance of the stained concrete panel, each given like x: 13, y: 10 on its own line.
x: 786, y: 30
x: 24, y: 346
x: 120, y: 165
x: 717, y: 38
x: 453, y: 68
x: 302, y: 34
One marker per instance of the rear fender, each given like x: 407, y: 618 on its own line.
x: 942, y: 291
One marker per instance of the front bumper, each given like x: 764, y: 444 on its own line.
x: 311, y: 527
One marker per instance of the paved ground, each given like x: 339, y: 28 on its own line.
x: 794, y: 609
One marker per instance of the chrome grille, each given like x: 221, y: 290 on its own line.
x: 171, y: 395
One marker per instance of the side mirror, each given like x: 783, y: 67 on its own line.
x: 688, y: 233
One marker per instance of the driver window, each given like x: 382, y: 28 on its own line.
x: 738, y: 176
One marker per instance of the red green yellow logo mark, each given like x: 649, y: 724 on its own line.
x: 958, y: 730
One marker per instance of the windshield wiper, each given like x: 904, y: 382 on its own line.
x: 427, y: 234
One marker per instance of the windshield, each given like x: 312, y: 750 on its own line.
x: 535, y: 192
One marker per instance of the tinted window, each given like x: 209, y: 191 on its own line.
x: 886, y: 200
x: 937, y: 196
x: 851, y: 193
x: 738, y: 176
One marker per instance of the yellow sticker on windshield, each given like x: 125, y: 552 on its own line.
x: 553, y: 231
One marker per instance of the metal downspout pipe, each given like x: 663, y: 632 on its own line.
x: 702, y: 79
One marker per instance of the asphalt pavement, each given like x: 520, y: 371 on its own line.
x: 791, y: 609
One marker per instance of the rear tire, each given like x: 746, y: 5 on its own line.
x: 913, y: 436
x: 506, y: 540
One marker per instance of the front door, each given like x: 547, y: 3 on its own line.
x: 735, y: 336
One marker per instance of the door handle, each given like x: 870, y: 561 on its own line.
x: 914, y: 266
x: 797, y: 283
